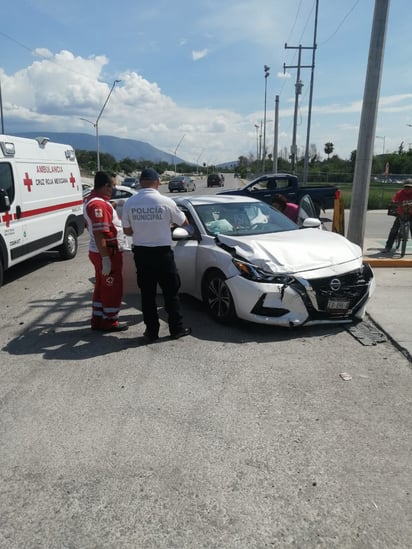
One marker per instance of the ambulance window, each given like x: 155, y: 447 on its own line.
x: 6, y: 179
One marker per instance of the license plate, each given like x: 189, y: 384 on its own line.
x: 338, y: 304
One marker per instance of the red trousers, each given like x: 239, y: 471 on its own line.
x: 108, y: 291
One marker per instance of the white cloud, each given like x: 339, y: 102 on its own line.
x: 43, y: 52
x: 53, y: 93
x: 284, y: 75
x: 196, y: 55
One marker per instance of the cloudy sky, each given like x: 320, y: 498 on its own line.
x: 192, y: 73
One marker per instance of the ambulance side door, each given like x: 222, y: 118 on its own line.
x: 11, y: 226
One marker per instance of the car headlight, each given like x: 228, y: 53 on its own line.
x: 257, y: 274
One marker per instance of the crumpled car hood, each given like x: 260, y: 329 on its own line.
x: 294, y: 251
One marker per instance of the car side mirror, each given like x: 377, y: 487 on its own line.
x: 311, y: 223
x: 180, y: 234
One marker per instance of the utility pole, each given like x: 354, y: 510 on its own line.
x: 276, y: 136
x: 298, y: 91
x: 364, y: 152
x: 306, y: 161
x: 266, y: 69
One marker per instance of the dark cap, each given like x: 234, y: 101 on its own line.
x: 149, y: 174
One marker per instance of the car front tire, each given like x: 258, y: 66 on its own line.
x: 218, y: 299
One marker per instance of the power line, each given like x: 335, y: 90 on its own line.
x: 16, y: 42
x: 341, y: 23
x: 45, y: 58
x: 294, y: 23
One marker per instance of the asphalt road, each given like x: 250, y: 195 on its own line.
x: 238, y: 437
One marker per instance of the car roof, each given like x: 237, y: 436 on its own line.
x: 199, y: 200
x: 126, y: 188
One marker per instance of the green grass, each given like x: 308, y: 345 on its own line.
x: 380, y: 194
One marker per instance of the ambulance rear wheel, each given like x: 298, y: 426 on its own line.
x: 1, y: 273
x: 69, y: 247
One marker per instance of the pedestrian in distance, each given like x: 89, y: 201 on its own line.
x: 148, y: 217
x: 403, y: 195
x: 107, y: 242
x: 287, y: 208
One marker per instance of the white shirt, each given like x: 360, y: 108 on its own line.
x: 150, y: 215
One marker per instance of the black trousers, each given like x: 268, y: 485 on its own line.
x: 394, y: 230
x: 157, y: 266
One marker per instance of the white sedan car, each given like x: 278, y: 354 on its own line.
x: 246, y: 260
x: 119, y: 196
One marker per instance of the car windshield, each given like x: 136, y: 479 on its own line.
x: 243, y: 219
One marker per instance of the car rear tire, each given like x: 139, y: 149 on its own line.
x: 218, y: 299
x: 68, y: 249
x: 1, y: 273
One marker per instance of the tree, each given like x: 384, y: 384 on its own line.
x: 328, y: 148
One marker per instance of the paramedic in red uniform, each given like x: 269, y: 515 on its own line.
x: 148, y: 217
x: 107, y: 242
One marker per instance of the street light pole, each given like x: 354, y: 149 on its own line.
x: 1, y: 111
x: 177, y: 146
x: 257, y: 145
x: 276, y: 136
x: 96, y: 124
x: 197, y: 161
x: 266, y: 69
x: 383, y: 146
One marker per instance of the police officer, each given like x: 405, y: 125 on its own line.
x: 148, y: 217
x: 107, y: 242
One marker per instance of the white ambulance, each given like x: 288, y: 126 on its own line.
x: 41, y: 205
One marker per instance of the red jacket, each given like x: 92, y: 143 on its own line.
x: 400, y: 196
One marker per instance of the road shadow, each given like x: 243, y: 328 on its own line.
x: 56, y: 333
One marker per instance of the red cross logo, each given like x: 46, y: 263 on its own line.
x: 28, y: 182
x: 7, y: 218
x: 72, y: 179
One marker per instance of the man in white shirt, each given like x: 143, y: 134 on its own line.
x: 148, y: 218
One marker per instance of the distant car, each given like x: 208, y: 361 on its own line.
x: 131, y: 182
x: 215, y: 180
x: 182, y: 183
x: 119, y: 196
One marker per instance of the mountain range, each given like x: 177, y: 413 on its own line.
x: 119, y: 148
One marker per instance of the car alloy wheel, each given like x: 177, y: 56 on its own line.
x: 218, y: 299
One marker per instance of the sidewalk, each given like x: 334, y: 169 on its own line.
x: 376, y: 257
x: 390, y: 306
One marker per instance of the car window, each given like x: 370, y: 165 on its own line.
x: 120, y: 193
x: 6, y: 179
x: 282, y: 183
x: 306, y: 207
x: 242, y: 219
